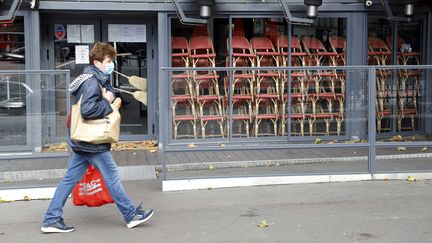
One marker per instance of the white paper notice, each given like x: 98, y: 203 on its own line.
x: 73, y: 33
x: 87, y: 33
x: 82, y: 54
x: 127, y: 33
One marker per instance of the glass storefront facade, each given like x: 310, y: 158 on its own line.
x: 260, y: 78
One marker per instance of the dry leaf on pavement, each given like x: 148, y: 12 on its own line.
x: 263, y: 224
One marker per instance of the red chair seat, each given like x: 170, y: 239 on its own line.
x: 212, y: 118
x: 181, y: 98
x: 409, y: 112
x: 211, y: 55
x: 267, y: 96
x: 272, y: 74
x: 207, y: 97
x: 241, y: 97
x: 243, y: 75
x: 371, y: 53
x: 206, y: 76
x: 240, y: 117
x: 323, y: 115
x: 243, y: 55
x: 184, y: 118
x: 266, y: 116
x: 179, y: 54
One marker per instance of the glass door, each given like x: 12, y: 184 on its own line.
x: 132, y: 41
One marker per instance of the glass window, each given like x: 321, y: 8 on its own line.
x: 198, y: 98
x: 318, y: 98
x: 201, y: 102
x: 13, y: 88
x: 398, y: 91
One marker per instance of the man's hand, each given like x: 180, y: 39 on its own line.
x: 108, y: 95
x: 117, y: 103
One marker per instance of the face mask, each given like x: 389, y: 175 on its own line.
x: 109, y: 68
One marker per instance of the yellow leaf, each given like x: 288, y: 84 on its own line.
x: 211, y: 167
x: 263, y: 224
x: 401, y: 148
x: 27, y: 198
x: 191, y: 145
x: 153, y: 150
x: 411, y: 178
x: 317, y: 141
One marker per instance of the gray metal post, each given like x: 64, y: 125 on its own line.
x: 372, y: 120
x: 163, y: 87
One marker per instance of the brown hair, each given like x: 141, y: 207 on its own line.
x: 100, y: 51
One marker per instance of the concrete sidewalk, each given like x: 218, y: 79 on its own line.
x: 373, y: 211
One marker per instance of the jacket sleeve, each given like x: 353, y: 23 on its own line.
x: 93, y: 105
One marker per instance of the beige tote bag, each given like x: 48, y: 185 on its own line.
x: 97, y: 131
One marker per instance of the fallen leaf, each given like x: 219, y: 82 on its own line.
x: 397, y: 138
x: 317, y: 141
x: 222, y: 145
x: 411, y: 178
x: 424, y: 149
x: 191, y: 145
x: 211, y: 167
x: 401, y: 148
x: 333, y: 142
x: 153, y: 150
x: 263, y: 224
x: 27, y: 198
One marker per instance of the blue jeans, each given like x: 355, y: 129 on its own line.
x: 78, y: 164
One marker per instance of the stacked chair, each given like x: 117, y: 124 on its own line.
x: 207, y: 94
x: 242, y: 85
x: 182, y: 91
x: 380, y: 54
x: 324, y: 95
x: 267, y: 85
x: 407, y: 85
x: 259, y: 99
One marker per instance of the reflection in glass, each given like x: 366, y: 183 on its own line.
x: 13, y: 88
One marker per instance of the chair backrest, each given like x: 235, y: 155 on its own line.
x: 376, y: 43
x: 179, y: 44
x: 282, y: 43
x: 312, y: 44
x: 180, y: 51
x: 201, y: 44
x: 337, y: 42
x: 261, y: 44
x: 400, y: 42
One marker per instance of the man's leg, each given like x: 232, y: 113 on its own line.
x: 76, y: 170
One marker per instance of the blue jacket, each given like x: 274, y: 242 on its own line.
x: 93, y: 104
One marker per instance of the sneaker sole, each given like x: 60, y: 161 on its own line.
x: 54, y: 230
x: 136, y: 223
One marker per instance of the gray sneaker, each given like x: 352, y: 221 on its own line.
x: 58, y: 227
x: 140, y: 216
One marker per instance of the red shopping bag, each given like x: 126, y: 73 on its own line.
x: 91, y: 190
